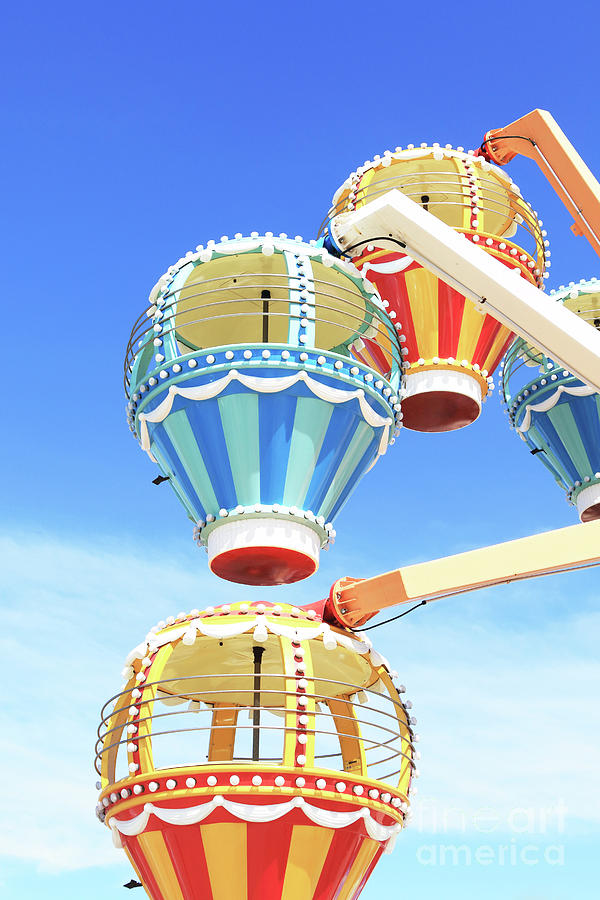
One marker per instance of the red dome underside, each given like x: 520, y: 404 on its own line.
x: 432, y: 411
x: 263, y: 566
x: 591, y: 513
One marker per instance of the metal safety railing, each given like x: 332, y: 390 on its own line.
x: 381, y: 725
x: 264, y: 308
x: 422, y: 187
x: 525, y: 366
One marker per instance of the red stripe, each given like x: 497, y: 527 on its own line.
x: 393, y: 289
x: 451, y: 305
x: 482, y: 352
x: 343, y: 849
x: 184, y: 843
x: 489, y: 333
x: 145, y: 873
x: 268, y: 847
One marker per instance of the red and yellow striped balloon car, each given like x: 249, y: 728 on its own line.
x: 450, y: 348
x: 255, y: 753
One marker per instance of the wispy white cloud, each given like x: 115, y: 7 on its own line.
x: 70, y: 613
x: 508, y: 718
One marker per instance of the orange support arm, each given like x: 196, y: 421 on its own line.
x: 538, y: 136
x: 352, y: 601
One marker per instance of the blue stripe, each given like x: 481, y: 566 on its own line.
x: 535, y: 440
x: 555, y: 445
x: 205, y: 420
x: 585, y: 413
x: 166, y: 469
x: 275, y: 432
x: 310, y: 427
x: 239, y: 418
x: 276, y: 414
x: 366, y: 460
x: 343, y: 424
x: 163, y: 442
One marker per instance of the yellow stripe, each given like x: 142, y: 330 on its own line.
x: 308, y: 849
x: 144, y: 734
x: 136, y: 870
x: 496, y: 347
x: 374, y: 255
x: 364, y: 183
x: 470, y: 330
x: 385, y: 345
x: 404, y: 729
x: 159, y: 862
x: 361, y: 863
x: 114, y: 731
x: 422, y: 288
x: 226, y: 859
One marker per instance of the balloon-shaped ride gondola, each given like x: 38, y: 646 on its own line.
x: 451, y: 349
x: 557, y: 414
x: 251, y: 388
x: 255, y: 752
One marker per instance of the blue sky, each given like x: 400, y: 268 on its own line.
x: 134, y: 132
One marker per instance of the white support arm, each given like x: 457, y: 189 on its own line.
x: 479, y: 276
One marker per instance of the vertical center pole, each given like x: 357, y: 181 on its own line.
x: 258, y: 653
x: 265, y: 297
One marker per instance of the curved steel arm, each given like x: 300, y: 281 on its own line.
x: 512, y: 300
x: 352, y: 602
x: 538, y: 136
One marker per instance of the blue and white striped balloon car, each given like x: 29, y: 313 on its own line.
x: 555, y: 413
x: 246, y: 388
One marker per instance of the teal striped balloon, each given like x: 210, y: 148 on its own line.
x: 555, y: 413
x: 270, y: 429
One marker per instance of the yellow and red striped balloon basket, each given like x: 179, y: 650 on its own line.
x: 450, y: 349
x: 255, y: 753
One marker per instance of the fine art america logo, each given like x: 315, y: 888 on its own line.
x: 522, y: 836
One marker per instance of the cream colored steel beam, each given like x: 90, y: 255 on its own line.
x: 503, y: 293
x: 563, y: 550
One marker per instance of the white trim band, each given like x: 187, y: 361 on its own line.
x: 265, y: 386
x: 248, y: 812
x: 589, y: 496
x: 582, y: 390
x: 220, y: 627
x: 443, y: 380
x: 268, y: 532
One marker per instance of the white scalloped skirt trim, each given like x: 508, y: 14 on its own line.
x: 583, y: 391
x: 265, y: 386
x: 247, y: 812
